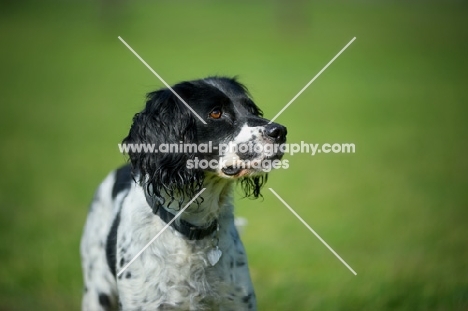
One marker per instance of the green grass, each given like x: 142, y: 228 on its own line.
x: 396, y: 210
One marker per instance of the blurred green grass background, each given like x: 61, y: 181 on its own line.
x: 396, y: 210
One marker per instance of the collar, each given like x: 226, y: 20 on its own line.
x: 185, y: 228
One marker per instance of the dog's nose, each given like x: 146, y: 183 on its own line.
x: 276, y: 132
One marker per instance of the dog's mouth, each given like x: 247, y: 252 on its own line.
x: 254, y: 167
x: 231, y: 170
x: 236, y: 172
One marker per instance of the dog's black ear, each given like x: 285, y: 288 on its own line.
x: 165, y: 120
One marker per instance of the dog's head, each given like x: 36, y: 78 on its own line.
x: 235, y: 143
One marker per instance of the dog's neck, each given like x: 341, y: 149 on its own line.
x: 216, y: 196
x: 202, y: 214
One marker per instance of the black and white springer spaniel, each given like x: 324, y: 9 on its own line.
x: 133, y: 204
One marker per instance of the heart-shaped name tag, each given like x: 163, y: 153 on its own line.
x: 213, y: 255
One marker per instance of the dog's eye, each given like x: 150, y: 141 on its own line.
x: 216, y: 113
